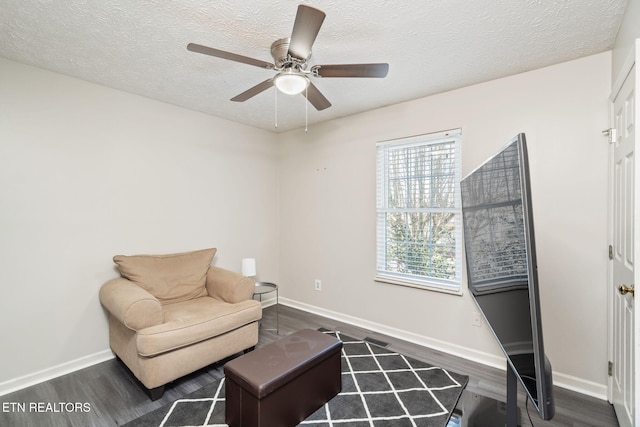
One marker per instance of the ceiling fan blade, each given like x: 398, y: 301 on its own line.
x: 305, y: 30
x: 228, y: 55
x: 316, y: 98
x: 352, y: 70
x: 260, y: 87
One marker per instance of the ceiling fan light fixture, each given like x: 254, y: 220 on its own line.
x: 291, y: 82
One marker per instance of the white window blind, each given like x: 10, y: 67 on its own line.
x: 419, y: 218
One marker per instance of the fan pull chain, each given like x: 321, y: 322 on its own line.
x: 306, y: 108
x: 276, y: 108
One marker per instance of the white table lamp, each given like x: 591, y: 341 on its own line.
x: 249, y: 267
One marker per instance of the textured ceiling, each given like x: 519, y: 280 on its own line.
x: 431, y: 46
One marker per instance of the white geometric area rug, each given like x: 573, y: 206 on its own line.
x: 380, y: 388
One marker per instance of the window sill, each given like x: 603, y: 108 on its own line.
x: 423, y: 286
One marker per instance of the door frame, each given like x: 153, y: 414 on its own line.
x: 625, y: 73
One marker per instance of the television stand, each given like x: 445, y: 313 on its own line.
x: 477, y: 410
x: 512, y: 398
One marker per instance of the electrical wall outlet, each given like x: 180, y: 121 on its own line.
x: 477, y: 321
x: 318, y: 285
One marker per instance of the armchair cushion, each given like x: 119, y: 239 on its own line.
x: 189, y: 322
x: 170, y: 278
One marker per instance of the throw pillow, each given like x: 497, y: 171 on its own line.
x: 170, y: 278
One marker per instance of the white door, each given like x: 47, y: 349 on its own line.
x: 623, y: 223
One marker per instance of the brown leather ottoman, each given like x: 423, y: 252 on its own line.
x: 282, y: 383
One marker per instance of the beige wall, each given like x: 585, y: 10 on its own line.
x: 87, y: 172
x: 327, y: 186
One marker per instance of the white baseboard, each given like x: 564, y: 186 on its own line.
x: 453, y: 349
x: 268, y: 302
x: 28, y: 380
x: 579, y: 385
x: 569, y: 382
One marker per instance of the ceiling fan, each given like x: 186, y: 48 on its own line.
x: 291, y: 56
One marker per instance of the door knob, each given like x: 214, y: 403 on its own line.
x: 624, y: 289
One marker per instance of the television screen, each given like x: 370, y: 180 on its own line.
x: 501, y: 265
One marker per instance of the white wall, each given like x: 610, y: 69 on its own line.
x: 327, y: 223
x: 88, y: 172
x: 628, y: 33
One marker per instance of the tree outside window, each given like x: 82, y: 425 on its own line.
x: 419, y: 216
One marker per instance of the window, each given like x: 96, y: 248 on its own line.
x: 419, y: 220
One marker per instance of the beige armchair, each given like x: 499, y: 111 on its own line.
x: 170, y: 315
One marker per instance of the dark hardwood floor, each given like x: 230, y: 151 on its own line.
x: 107, y: 395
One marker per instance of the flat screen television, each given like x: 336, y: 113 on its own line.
x: 502, y: 271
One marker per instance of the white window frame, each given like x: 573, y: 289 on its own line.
x: 450, y: 285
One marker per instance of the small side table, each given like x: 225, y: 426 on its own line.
x: 264, y: 288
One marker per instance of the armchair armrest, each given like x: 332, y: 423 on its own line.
x: 133, y: 306
x: 229, y: 286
